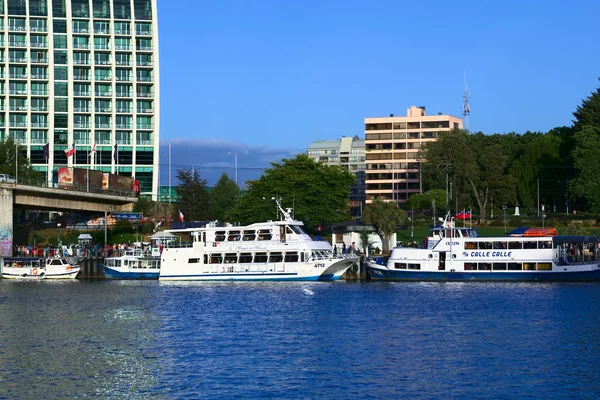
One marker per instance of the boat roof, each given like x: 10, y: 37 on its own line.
x: 574, y: 239
x: 22, y: 258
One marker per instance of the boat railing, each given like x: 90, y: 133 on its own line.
x: 562, y: 257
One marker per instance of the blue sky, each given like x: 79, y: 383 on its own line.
x: 273, y: 76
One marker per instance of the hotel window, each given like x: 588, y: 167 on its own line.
x: 81, y: 26
x: 101, y: 8
x: 122, y: 9
x: 80, y: 8
x: 122, y: 28
x: 16, y: 7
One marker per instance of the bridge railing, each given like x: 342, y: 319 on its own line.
x: 73, y: 187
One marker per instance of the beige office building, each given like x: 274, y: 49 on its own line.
x: 392, y: 149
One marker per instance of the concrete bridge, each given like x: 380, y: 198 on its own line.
x: 53, y: 199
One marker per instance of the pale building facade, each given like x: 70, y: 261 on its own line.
x: 82, y: 72
x: 347, y: 153
x: 392, y: 148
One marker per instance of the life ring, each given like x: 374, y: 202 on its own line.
x: 34, y: 271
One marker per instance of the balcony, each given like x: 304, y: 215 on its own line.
x: 19, y: 92
x: 124, y: 78
x: 17, y: 108
x: 39, y: 124
x: 39, y: 108
x: 145, y: 142
x: 40, y: 45
x: 102, y: 62
x: 15, y: 124
x: 145, y: 111
x: 81, y: 61
x: 103, y: 94
x: 123, y: 62
x: 38, y: 61
x: 145, y: 126
x: 122, y: 32
x: 144, y: 79
x: 104, y: 78
x: 102, y: 141
x: 102, y: 126
x: 38, y: 29
x: 39, y: 76
x: 124, y: 141
x: 81, y: 30
x: 144, y: 48
x: 145, y: 32
x: 39, y: 141
x: 102, y: 47
x: 123, y: 94
x: 143, y: 63
x: 81, y: 46
x: 81, y: 77
x: 81, y: 109
x: 15, y: 28
x: 35, y: 92
x: 122, y: 47
x: 145, y: 94
x: 103, y: 109
x: 102, y: 31
x: 123, y: 126
x: 18, y: 59
x: 17, y: 76
x: 85, y: 125
x: 17, y: 44
x: 82, y: 93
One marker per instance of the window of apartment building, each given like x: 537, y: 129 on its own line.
x: 122, y: 9
x: 102, y: 137
x: 61, y: 105
x: 80, y: 8
x: 60, y: 89
x: 413, y: 135
x: 61, y: 121
x: 60, y: 137
x: 59, y: 25
x: 60, y: 73
x: 60, y: 56
x: 101, y: 8
x: 122, y: 28
x: 16, y: 7
x: 142, y: 10
x: 38, y: 8
x: 435, y: 124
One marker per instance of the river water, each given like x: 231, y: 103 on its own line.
x: 149, y: 339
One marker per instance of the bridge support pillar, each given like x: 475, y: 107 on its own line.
x: 6, y: 222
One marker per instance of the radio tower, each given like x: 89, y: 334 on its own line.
x: 466, y: 106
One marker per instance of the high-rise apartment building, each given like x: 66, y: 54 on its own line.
x: 347, y: 153
x: 82, y: 72
x: 392, y: 149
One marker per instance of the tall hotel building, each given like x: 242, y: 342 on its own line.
x: 392, y: 149
x: 82, y: 72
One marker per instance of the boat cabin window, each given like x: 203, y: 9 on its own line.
x: 234, y: 236
x: 545, y: 244
x: 499, y: 245
x: 512, y: 266
x: 249, y: 235
x: 484, y: 266
x: 291, y: 256
x: 499, y: 266
x: 414, y: 266
x: 544, y: 266
x: 288, y: 230
x: 515, y: 245
x: 528, y: 266
x: 265, y: 234
x: 470, y: 245
x: 231, y: 257
x: 245, y: 258
x: 530, y: 245
x: 297, y: 230
x: 276, y: 257
x: 470, y: 266
x: 260, y: 257
x: 219, y: 236
x: 485, y: 245
x: 55, y: 262
x: 194, y: 261
x: 216, y: 258
x: 400, y: 265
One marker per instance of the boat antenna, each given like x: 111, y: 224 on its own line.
x: 466, y: 105
x: 284, y: 213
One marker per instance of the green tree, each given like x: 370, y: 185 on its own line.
x: 223, y: 197
x: 588, y: 113
x: 146, y: 206
x: 384, y: 217
x: 576, y: 229
x: 9, y: 163
x: 586, y: 184
x: 425, y: 201
x: 317, y: 192
x: 194, y: 200
x: 476, y: 163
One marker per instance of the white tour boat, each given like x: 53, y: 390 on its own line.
x: 134, y: 264
x: 272, y: 250
x: 38, y: 268
x: 451, y: 253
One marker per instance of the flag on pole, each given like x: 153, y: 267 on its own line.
x: 47, y: 152
x: 181, y: 216
x: 71, y: 151
x: 115, y: 155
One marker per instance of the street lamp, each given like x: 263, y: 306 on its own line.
x: 236, y: 169
x: 58, y: 239
x: 504, y: 209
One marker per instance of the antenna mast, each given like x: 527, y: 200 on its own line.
x: 466, y: 106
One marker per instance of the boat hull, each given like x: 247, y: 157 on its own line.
x: 67, y: 274
x: 377, y: 273
x: 110, y: 273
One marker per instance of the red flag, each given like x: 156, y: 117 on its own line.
x: 181, y: 216
x: 71, y: 151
